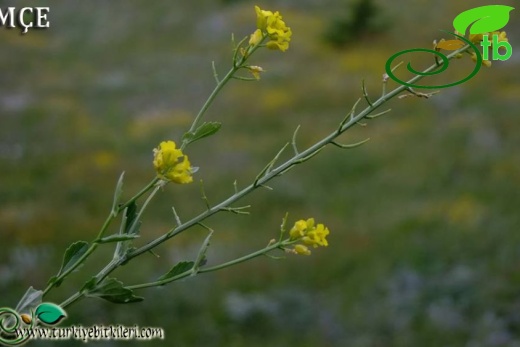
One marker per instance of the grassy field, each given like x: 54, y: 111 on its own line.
x: 424, y: 245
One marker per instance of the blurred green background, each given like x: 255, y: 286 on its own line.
x: 424, y: 245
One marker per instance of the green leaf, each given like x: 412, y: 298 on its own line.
x: 117, y: 195
x: 116, y: 238
x: 484, y: 19
x: 129, y: 227
x: 201, y: 257
x: 49, y: 313
x: 113, y: 290
x: 179, y: 268
x: 91, y: 283
x: 131, y: 224
x: 204, y: 130
x: 72, y: 254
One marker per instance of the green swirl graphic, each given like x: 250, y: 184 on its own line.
x: 10, y: 330
x: 445, y: 64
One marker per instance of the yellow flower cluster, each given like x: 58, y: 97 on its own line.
x: 477, y: 38
x: 310, y: 234
x: 271, y: 25
x: 168, y: 165
x: 486, y: 63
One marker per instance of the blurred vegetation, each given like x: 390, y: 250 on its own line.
x: 362, y: 19
x: 424, y: 244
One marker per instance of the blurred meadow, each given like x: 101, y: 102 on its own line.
x: 424, y: 246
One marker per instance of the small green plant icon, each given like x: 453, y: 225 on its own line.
x: 481, y: 20
x: 484, y: 19
x: 47, y: 313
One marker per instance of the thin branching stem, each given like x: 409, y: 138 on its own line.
x: 351, y: 120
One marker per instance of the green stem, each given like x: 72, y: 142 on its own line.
x: 138, y: 195
x: 236, y: 66
x: 242, y: 259
x: 190, y: 272
x: 297, y: 159
x: 209, y: 101
x: 72, y: 299
x: 102, y: 231
x: 106, y: 270
x: 114, y: 262
x: 259, y: 182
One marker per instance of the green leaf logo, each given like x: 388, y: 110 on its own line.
x: 49, y: 313
x: 484, y: 19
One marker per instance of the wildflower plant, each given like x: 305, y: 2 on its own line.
x: 172, y: 165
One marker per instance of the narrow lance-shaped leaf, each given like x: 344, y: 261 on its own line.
x: 71, y: 256
x: 113, y: 290
x: 116, y: 238
x: 132, y: 224
x: 484, y: 19
x: 122, y: 247
x: 201, y: 257
x: 204, y: 130
x: 117, y: 195
x: 129, y: 227
x: 179, y: 268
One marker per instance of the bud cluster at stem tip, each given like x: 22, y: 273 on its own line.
x: 309, y: 234
x: 271, y: 25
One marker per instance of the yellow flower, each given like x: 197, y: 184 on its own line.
x: 486, y: 63
x: 502, y: 36
x: 168, y: 165
x: 309, y: 233
x: 298, y: 230
x: 301, y: 249
x: 477, y: 38
x: 256, y: 37
x: 261, y: 18
x: 317, y: 236
x: 255, y: 71
x: 278, y: 45
x: 274, y: 27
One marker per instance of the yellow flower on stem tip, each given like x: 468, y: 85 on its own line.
x: 274, y: 27
x: 317, y: 236
x: 477, y: 38
x: 261, y: 18
x: 502, y: 36
x: 168, y: 165
x: 310, y: 234
x: 298, y: 230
